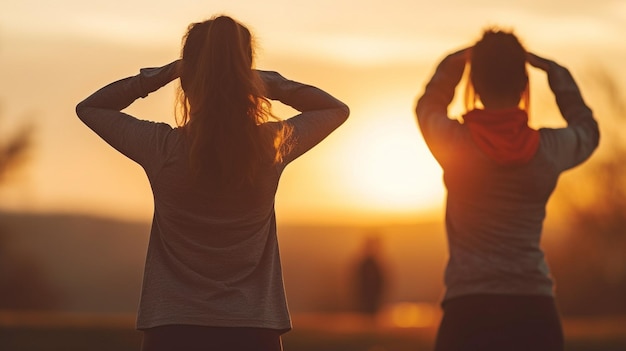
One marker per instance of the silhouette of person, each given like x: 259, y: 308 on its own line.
x: 499, y: 174
x: 370, y: 278
x: 213, y: 277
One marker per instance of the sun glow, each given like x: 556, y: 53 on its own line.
x: 388, y: 168
x: 414, y: 315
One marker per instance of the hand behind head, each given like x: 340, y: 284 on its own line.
x: 537, y: 61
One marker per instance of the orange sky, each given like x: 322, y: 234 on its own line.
x: 375, y: 56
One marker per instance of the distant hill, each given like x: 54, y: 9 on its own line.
x: 89, y: 263
x: 92, y: 264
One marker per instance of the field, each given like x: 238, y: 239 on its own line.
x: 345, y: 332
x: 319, y: 264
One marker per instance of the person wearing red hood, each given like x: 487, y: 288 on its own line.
x: 499, y: 174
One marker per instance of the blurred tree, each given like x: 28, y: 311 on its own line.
x: 590, y: 261
x: 23, y: 284
x: 13, y: 151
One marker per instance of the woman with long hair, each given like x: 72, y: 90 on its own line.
x: 212, y: 278
x: 499, y: 174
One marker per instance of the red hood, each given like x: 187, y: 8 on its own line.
x: 503, y: 135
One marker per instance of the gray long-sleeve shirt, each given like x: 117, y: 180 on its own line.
x: 212, y: 260
x: 495, y: 213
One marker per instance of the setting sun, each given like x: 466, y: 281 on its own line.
x: 389, y: 168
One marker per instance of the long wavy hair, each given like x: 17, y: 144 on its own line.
x: 221, y: 105
x: 497, y: 69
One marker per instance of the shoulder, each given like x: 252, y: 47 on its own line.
x: 553, y: 137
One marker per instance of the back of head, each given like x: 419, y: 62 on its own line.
x: 221, y: 102
x: 498, y: 69
x: 217, y: 50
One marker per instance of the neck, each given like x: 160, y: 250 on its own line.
x: 500, y: 104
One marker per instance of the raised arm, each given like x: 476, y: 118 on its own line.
x: 320, y: 113
x: 132, y: 137
x: 432, y: 107
x: 120, y: 94
x: 574, y: 144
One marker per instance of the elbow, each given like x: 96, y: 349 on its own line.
x: 339, y: 112
x: 589, y: 136
x: 420, y: 103
x: 593, y: 129
x: 345, y: 111
x: 419, y: 109
x: 81, y: 109
x: 596, y: 135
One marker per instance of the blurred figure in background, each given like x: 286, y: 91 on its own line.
x: 499, y: 174
x: 213, y: 277
x: 370, y: 279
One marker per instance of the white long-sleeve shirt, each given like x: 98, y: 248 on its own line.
x: 212, y: 260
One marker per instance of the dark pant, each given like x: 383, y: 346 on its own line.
x: 199, y: 338
x: 500, y: 322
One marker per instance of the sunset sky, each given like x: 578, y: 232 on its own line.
x: 374, y: 55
